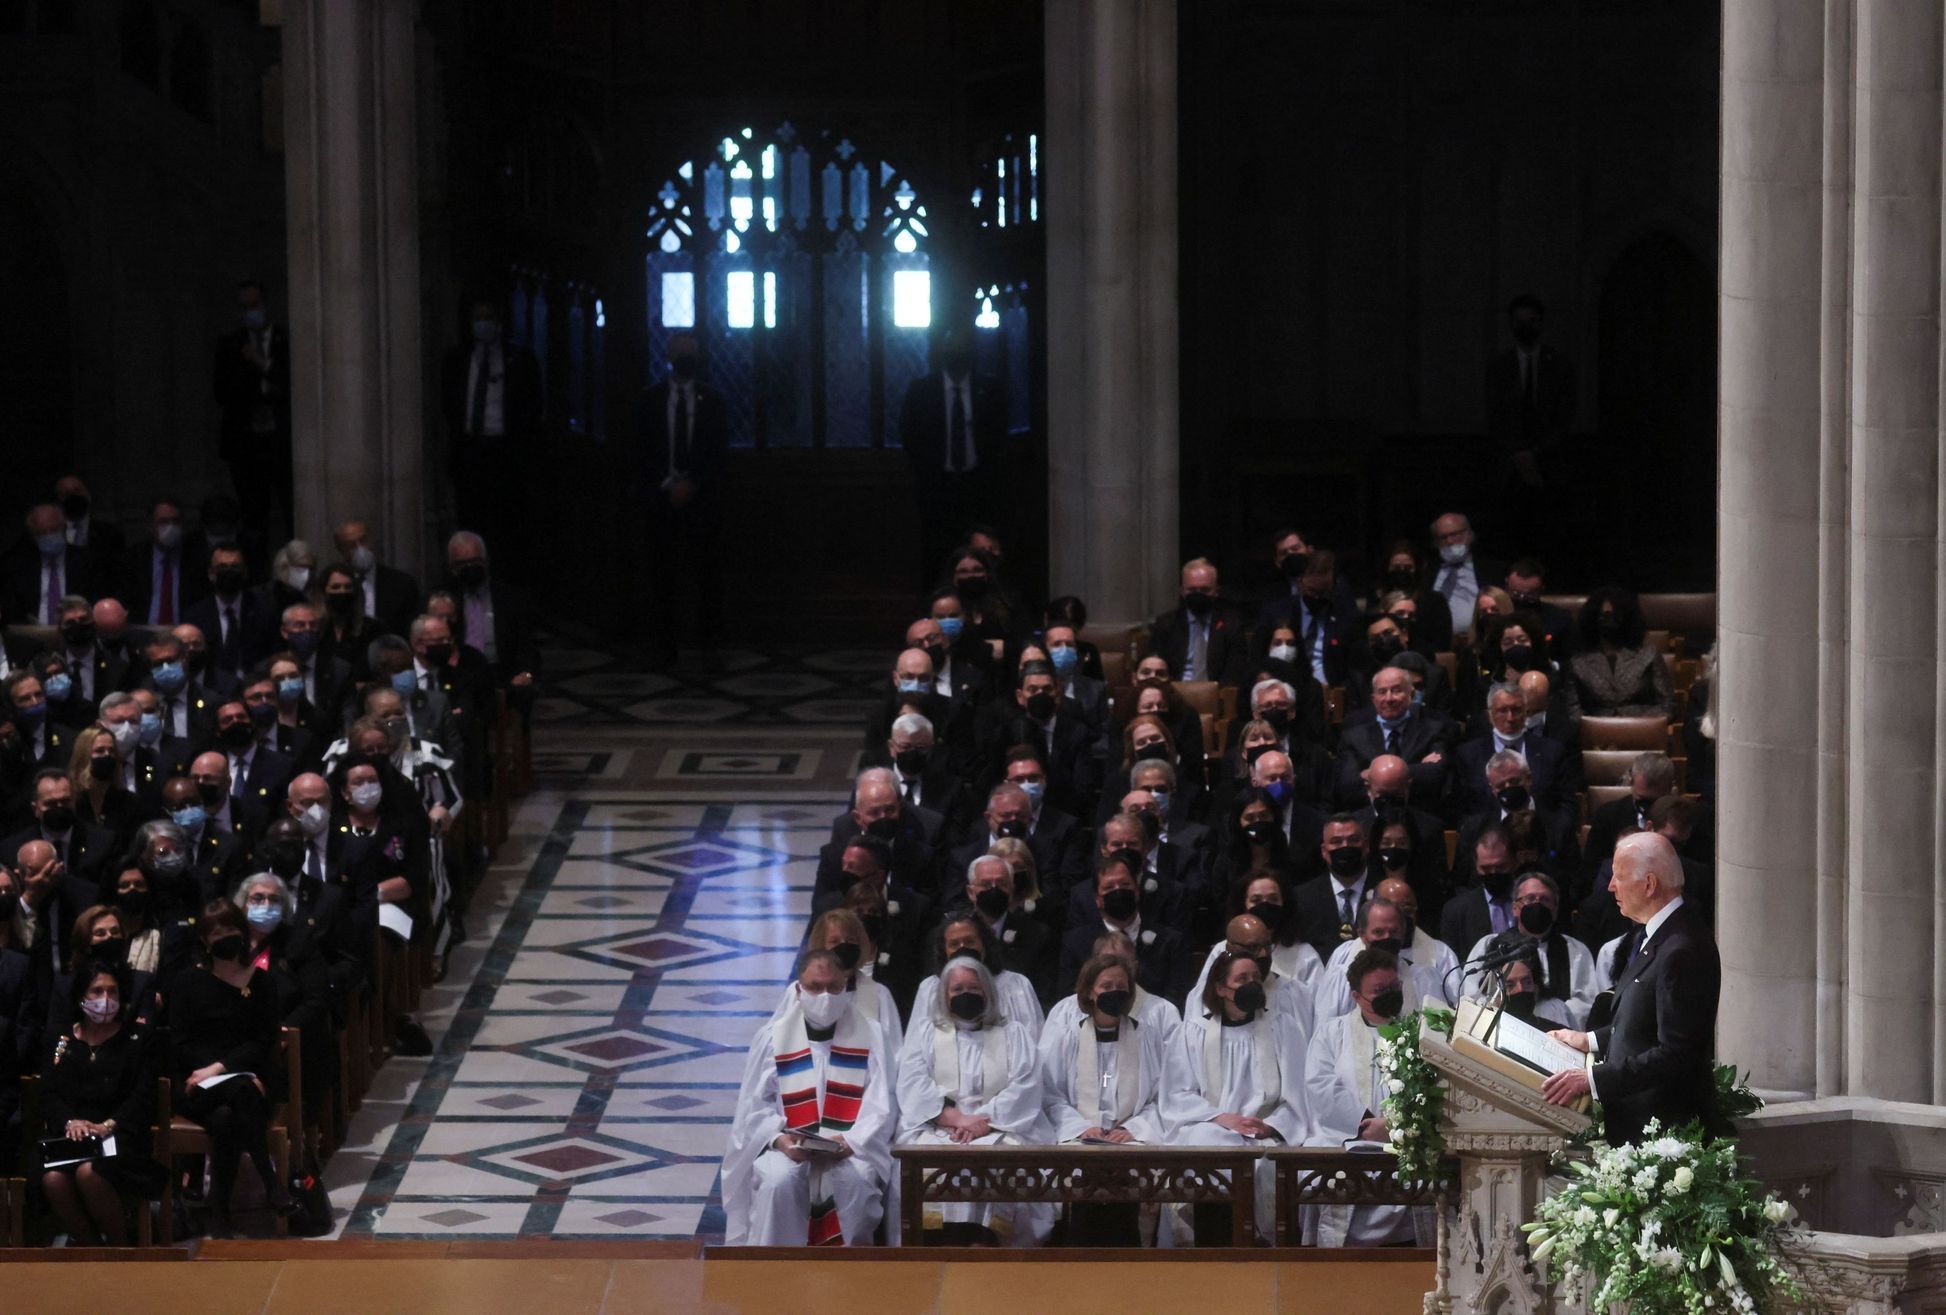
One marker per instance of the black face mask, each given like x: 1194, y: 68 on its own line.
x: 1609, y: 628
x: 1250, y: 997
x: 1536, y: 920
x: 992, y: 902
x: 1520, y: 1004
x: 972, y: 587
x: 134, y: 902
x: 283, y: 858
x: 1260, y: 833
x: 75, y: 505
x: 1278, y: 719
x: 885, y: 828
x: 967, y: 1005
x: 1390, y: 944
x: 1513, y: 798
x: 1294, y: 565
x: 1040, y: 706
x: 57, y: 817
x: 847, y: 953
x: 1010, y: 830
x: 1346, y: 861
x: 228, y: 580
x: 1497, y: 883
x: 967, y: 952
x: 1198, y: 604
x: 938, y: 655
x: 227, y: 949
x: 1389, y: 1002
x: 1153, y: 751
x: 194, y: 660
x: 1394, y: 858
x: 1520, y: 657
x: 438, y: 655
x: 212, y: 796
x: 1403, y: 579
x: 1119, y: 904
x: 912, y: 761
x: 112, y: 950
x: 237, y: 735
x: 340, y: 605
x: 1385, y: 648
x: 1256, y: 751
x: 79, y: 634
x: 102, y: 769
x: 470, y: 575
x: 874, y: 926
x: 1114, y: 1003
x: 1268, y: 912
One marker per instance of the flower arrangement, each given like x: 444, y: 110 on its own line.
x: 1667, y: 1226
x: 1414, y: 1095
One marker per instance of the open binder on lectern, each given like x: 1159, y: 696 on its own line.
x: 1513, y: 1048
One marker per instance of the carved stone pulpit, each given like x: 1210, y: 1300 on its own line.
x: 1503, y: 1134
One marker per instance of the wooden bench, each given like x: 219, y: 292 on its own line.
x: 1318, y: 1175
x: 1067, y: 1174
x: 13, y: 1212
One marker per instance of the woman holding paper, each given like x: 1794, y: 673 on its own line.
x: 99, y: 1082
x: 223, y: 1041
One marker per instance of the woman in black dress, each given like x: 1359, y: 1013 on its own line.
x: 99, y: 1081
x: 223, y: 1020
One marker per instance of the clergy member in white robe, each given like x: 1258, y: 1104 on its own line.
x: 1101, y: 1074
x: 1236, y: 1076
x: 968, y: 935
x: 843, y: 933
x: 1247, y: 934
x: 1429, y: 971
x: 1567, y: 967
x: 1347, y: 1090
x: 815, y: 1070
x: 969, y: 1076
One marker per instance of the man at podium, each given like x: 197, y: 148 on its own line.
x: 1654, y: 1057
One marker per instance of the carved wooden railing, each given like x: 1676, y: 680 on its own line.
x: 1070, y: 1174
x: 1317, y: 1175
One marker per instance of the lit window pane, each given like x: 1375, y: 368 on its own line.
x: 741, y: 301
x: 679, y: 301
x: 770, y: 300
x: 911, y: 298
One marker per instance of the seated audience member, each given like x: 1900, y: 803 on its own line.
x: 1101, y: 1082
x: 969, y: 1076
x: 1382, y: 926
x: 1423, y: 740
x: 300, y: 974
x: 1300, y: 820
x: 1027, y: 895
x: 1477, y: 646
x: 843, y: 934
x: 1554, y: 770
x: 1236, y: 1078
x: 1567, y: 967
x: 161, y: 850
x: 99, y: 800
x: 1526, y: 584
x: 1271, y: 897
x: 347, y: 632
x: 1389, y: 799
x: 98, y: 1081
x: 1151, y: 1009
x: 223, y: 1020
x: 136, y: 905
x: 1460, y: 577
x: 1428, y: 626
x: 925, y: 774
x: 1070, y: 751
x: 1163, y: 950
x: 298, y: 730
x: 1616, y: 673
x: 1563, y: 728
x: 816, y: 1069
x: 1059, y: 841
x: 1510, y: 795
x: 1651, y: 776
x: 1323, y: 616
x: 1203, y: 639
x: 1027, y: 947
x: 903, y: 916
x: 964, y: 935
x: 1249, y: 935
x: 1084, y: 694
x: 22, y: 1003
x: 99, y: 938
x: 912, y: 833
x: 1347, y: 1093
x: 1521, y: 994
x: 1487, y: 907
x: 988, y: 608
x: 1156, y: 694
x: 51, y: 899
x: 64, y: 705
x: 1273, y: 702
x: 910, y: 692
x: 1516, y: 646
x: 1163, y: 900
x: 1418, y: 945
x: 1328, y: 904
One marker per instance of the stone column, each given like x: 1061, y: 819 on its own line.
x: 1891, y: 859
x: 1112, y: 304
x: 1769, y: 420
x: 352, y: 190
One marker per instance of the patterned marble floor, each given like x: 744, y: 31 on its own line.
x: 633, y: 934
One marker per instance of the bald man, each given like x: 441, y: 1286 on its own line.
x: 1291, y: 973
x: 1654, y: 1060
x: 51, y: 897
x: 1399, y: 728
x: 912, y: 689
x: 1390, y: 795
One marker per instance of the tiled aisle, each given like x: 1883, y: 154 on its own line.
x: 635, y: 932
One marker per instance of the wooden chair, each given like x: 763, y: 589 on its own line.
x: 176, y: 1135
x: 1115, y: 667
x: 30, y: 1169
x: 1452, y: 848
x: 1661, y: 641
x: 1334, y: 704
x: 1607, y: 767
x: 1686, y: 614
x: 1594, y: 797
x: 1569, y: 603
x: 1205, y: 696
x: 13, y: 1212
x: 1638, y: 733
x: 1448, y: 663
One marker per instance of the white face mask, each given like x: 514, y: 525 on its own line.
x: 1454, y: 553
x: 100, y: 1009
x: 298, y: 577
x: 313, y: 819
x: 366, y: 796
x: 362, y: 560
x: 124, y: 733
x: 1284, y: 652
x: 822, y: 1011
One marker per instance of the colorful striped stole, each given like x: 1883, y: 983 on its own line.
x: 837, y: 1110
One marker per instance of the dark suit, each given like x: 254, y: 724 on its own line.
x: 1561, y: 858
x: 1164, y: 964
x: 26, y: 571
x: 1598, y: 921
x: 1164, y: 900
x: 106, y: 547
x: 1523, y: 419
x: 268, y: 775
x: 1073, y: 766
x: 515, y: 650
x: 255, y: 431
x: 1427, y: 871
x: 1319, y: 918
x: 1467, y: 919
x: 139, y: 583
x: 1421, y: 735
x: 951, y: 500
x: 492, y: 473
x: 1226, y: 656
x: 395, y: 599
x: 1027, y: 947
x: 256, y: 634
x: 1656, y: 1056
x: 107, y: 671
x: 1556, y: 774
x: 685, y: 568
x: 1624, y: 816
x: 1338, y: 623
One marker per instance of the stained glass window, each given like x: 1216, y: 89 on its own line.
x: 800, y: 260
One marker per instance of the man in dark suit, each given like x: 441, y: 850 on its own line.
x: 1459, y: 576
x: 1485, y: 909
x: 1292, y: 554
x: 911, y: 689
x: 216, y: 854
x: 953, y: 427
x: 1324, y: 621
x: 494, y: 616
x: 257, y: 772
x: 1203, y: 639
x: 235, y: 620
x: 1083, y: 695
x: 1654, y: 1060
x: 42, y: 568
x: 1327, y: 905
x: 1026, y: 945
x: 1554, y: 771
x: 1541, y: 836
x: 925, y: 776
x: 960, y: 681
x: 897, y: 920
x: 1068, y: 748
x: 1526, y: 582
x: 392, y: 596
x: 40, y: 740
x: 101, y: 542
x: 911, y: 833
x: 1422, y: 739
x: 84, y: 851
x: 490, y: 392
x: 97, y: 671
x: 51, y: 898
x: 685, y: 435
x: 252, y: 382
x: 1651, y: 776
x: 160, y: 580
x: 1165, y: 966
x: 1530, y: 404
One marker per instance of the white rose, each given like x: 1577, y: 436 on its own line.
x: 1395, y: 1086
x: 1680, y: 1180
x: 1610, y: 1216
x: 1777, y: 1211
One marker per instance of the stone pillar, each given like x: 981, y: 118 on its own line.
x: 1112, y: 304
x: 1769, y: 511
x: 352, y: 191
x: 1894, y: 548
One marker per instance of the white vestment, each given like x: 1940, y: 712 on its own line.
x: 1584, y: 984
x: 1426, y: 969
x: 1344, y: 1085
x: 1088, y: 1083
x: 1017, y: 1003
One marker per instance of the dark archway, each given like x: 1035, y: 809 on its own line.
x: 1656, y: 416
x: 36, y: 352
